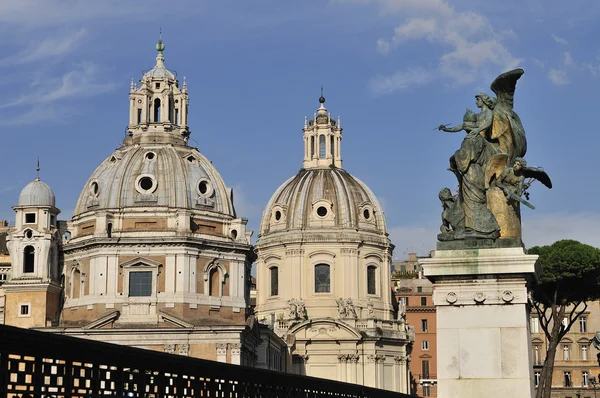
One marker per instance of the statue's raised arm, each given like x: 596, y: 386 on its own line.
x: 507, y: 131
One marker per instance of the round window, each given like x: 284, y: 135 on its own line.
x: 366, y: 214
x: 150, y: 155
x: 146, y: 183
x: 277, y: 215
x: 322, y: 211
x: 203, y: 187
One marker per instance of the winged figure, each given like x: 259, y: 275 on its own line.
x: 516, y: 179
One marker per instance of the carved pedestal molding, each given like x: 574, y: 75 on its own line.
x: 482, y: 321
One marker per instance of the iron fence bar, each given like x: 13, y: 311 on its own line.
x: 113, y: 369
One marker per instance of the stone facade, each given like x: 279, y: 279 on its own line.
x: 415, y: 297
x: 323, y: 271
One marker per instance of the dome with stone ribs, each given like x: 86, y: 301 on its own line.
x: 37, y: 193
x: 157, y: 176
x: 323, y: 198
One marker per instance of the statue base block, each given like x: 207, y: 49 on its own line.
x: 483, y: 340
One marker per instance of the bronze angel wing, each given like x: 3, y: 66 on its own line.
x: 538, y: 174
x: 504, y: 87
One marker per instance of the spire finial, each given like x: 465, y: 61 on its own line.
x: 160, y: 47
x: 37, y: 169
x: 321, y: 98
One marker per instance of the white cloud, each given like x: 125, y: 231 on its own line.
x: 558, y: 76
x: 44, y: 13
x: 559, y: 40
x: 538, y: 62
x: 567, y: 58
x: 548, y: 228
x: 80, y: 82
x: 46, y: 49
x: 383, y: 46
x: 400, y: 80
x: 36, y: 114
x: 470, y: 45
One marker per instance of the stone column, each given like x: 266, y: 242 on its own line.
x: 483, y: 342
x: 342, y: 367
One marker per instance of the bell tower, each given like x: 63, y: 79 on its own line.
x: 158, y: 108
x: 33, y: 292
x: 322, y: 139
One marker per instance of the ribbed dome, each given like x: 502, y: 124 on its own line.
x: 323, y: 198
x: 159, y: 71
x: 156, y: 175
x: 37, y: 193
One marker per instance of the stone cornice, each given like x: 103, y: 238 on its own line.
x: 201, y: 244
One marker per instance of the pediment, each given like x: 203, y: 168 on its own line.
x: 104, y: 320
x: 172, y: 320
x: 324, y: 329
x: 141, y: 262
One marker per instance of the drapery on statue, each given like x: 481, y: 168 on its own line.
x: 490, y: 169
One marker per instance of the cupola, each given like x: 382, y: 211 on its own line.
x: 158, y: 107
x: 322, y: 139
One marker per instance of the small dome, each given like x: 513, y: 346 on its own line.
x: 159, y: 72
x: 323, y: 198
x: 37, y: 193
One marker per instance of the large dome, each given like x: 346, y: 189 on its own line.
x: 156, y: 175
x: 323, y: 198
x: 37, y: 193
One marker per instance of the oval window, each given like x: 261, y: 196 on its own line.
x: 277, y: 215
x: 146, y: 183
x: 203, y: 187
x: 367, y: 214
x: 322, y: 211
x: 150, y: 155
x: 29, y: 234
x: 95, y: 188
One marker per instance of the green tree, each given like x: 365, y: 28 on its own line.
x: 569, y: 279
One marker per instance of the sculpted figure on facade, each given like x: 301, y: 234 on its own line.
x: 488, y: 163
x: 346, y: 308
x: 297, y: 309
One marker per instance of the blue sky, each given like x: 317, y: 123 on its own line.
x: 392, y: 69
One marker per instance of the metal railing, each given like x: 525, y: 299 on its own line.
x: 40, y: 365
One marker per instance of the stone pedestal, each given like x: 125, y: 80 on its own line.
x: 483, y: 340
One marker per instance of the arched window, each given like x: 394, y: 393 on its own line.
x: 274, y: 281
x: 322, y: 278
x: 312, y: 146
x: 28, y: 259
x: 76, y: 284
x: 213, y: 287
x: 331, y: 146
x: 371, y: 285
x: 322, y: 150
x: 157, y: 110
x: 171, y: 111
x: 109, y: 230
